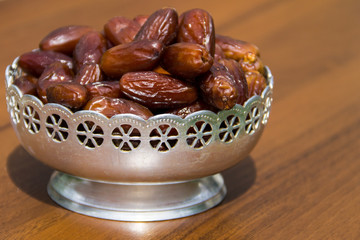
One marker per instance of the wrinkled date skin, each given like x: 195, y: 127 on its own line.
x: 26, y: 84
x: 197, y: 26
x: 64, y: 39
x: 89, y: 49
x: 219, y: 88
x: 238, y: 75
x: 194, y: 107
x: 161, y: 25
x: 105, y: 89
x: 89, y: 73
x: 156, y: 90
x: 35, y: 62
x: 186, y: 60
x: 256, y: 82
x: 251, y: 62
x: 71, y: 95
x: 235, y: 49
x: 55, y: 73
x: 121, y: 30
x: 112, y: 106
x: 219, y: 54
x: 129, y: 57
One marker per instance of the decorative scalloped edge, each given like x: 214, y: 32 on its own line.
x: 145, y: 126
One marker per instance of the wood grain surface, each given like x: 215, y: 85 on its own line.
x: 302, y: 180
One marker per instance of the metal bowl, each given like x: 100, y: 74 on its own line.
x: 127, y: 168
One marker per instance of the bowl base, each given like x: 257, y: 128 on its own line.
x: 136, y: 201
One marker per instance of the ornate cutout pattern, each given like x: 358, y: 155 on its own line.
x: 252, y: 121
x: 199, y: 135
x: 229, y: 128
x: 267, y: 108
x: 31, y: 119
x: 14, y: 109
x: 126, y: 137
x: 57, y: 128
x: 89, y: 134
x: 164, y: 137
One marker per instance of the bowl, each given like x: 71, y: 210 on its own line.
x: 127, y: 168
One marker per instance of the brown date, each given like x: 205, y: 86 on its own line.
x: 251, y: 62
x: 55, y: 73
x: 156, y: 90
x: 194, y: 107
x: 235, y: 49
x: 71, y: 95
x: 35, y: 62
x: 26, y: 84
x: 186, y: 60
x: 237, y: 73
x: 139, y: 55
x: 256, y: 82
x: 89, y: 73
x: 64, y: 39
x: 197, y: 26
x: 121, y: 30
x: 112, y: 106
x: 105, y: 89
x: 89, y: 49
x: 219, y: 88
x: 161, y: 25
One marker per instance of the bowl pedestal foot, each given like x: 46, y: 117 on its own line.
x: 136, y: 201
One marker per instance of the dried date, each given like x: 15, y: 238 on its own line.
x: 89, y: 49
x: 161, y: 25
x: 156, y: 90
x: 235, y: 49
x: 186, y: 60
x: 55, y: 73
x: 251, y: 62
x: 26, y: 84
x: 105, y: 89
x: 35, y: 62
x: 112, y: 106
x: 197, y: 26
x: 71, y: 95
x: 256, y: 82
x: 89, y: 73
x: 129, y: 57
x: 121, y: 30
x: 194, y: 107
x: 64, y: 39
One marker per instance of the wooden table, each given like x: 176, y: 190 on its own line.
x: 302, y: 181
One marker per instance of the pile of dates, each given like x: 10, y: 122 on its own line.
x: 162, y: 63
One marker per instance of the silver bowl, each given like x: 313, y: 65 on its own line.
x: 127, y: 168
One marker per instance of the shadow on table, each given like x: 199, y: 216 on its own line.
x: 239, y: 178
x: 29, y: 175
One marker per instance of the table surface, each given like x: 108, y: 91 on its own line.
x: 302, y: 179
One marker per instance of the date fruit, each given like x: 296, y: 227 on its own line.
x: 89, y: 49
x: 55, y: 73
x: 105, y: 89
x: 112, y: 106
x: 89, y: 73
x: 139, y: 55
x: 35, y: 62
x: 219, y: 88
x: 64, y: 39
x: 235, y: 49
x: 237, y: 73
x: 186, y: 60
x: 197, y: 26
x: 156, y: 90
x: 26, y: 84
x: 141, y: 19
x: 251, y: 62
x: 256, y: 82
x: 161, y: 25
x: 71, y: 95
x: 121, y: 30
